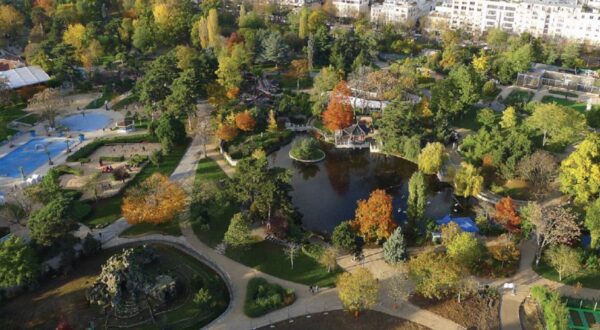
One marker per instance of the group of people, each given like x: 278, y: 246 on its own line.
x: 313, y: 289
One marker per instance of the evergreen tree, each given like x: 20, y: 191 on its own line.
x: 416, y: 197
x: 394, y: 249
x: 274, y: 49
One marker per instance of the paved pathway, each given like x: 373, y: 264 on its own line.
x: 238, y: 275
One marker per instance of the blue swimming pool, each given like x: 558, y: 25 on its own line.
x: 31, y: 156
x: 85, y: 122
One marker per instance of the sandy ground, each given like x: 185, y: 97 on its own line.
x: 473, y: 313
x: 107, y: 186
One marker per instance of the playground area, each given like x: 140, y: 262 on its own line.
x: 107, y: 161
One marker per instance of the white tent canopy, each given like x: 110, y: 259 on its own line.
x: 25, y: 76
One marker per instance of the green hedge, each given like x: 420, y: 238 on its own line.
x: 66, y: 169
x: 112, y: 158
x: 87, y: 150
x: 263, y: 297
x: 555, y: 311
x: 268, y: 141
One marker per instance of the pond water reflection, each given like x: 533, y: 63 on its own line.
x: 326, y: 192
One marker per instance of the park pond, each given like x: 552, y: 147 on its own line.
x: 326, y: 193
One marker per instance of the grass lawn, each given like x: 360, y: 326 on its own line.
x: 8, y: 114
x: 108, y: 210
x: 270, y: 258
x: 264, y: 256
x: 291, y: 83
x: 63, y: 296
x: 517, y: 97
x: 563, y: 93
x: 469, y: 120
x: 31, y: 119
x: 579, y: 106
x: 219, y: 215
x: 99, y: 102
x: 587, y: 278
x: 125, y: 101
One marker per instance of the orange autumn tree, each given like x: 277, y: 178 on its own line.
x: 338, y: 114
x: 227, y: 132
x: 374, y: 219
x: 245, y: 121
x: 156, y: 200
x: 506, y: 214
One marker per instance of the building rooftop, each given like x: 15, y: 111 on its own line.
x: 26, y: 76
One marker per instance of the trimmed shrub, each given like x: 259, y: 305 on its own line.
x: 554, y: 310
x: 263, y: 297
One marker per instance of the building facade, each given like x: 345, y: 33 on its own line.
x: 405, y: 12
x: 571, y: 19
x: 351, y: 8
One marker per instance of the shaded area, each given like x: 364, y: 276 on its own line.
x: 474, y: 312
x: 367, y: 320
x: 64, y: 297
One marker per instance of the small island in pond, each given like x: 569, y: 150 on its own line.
x: 307, y: 150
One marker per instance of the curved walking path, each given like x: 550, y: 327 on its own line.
x: 524, y: 279
x: 238, y: 275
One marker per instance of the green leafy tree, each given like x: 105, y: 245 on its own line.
x: 153, y: 87
x: 324, y: 82
x: 52, y: 222
x: 467, y: 181
x: 18, y: 263
x: 239, y: 231
x: 467, y: 82
x: 394, y: 249
x: 579, y: 173
x: 344, y: 237
x: 558, y: 124
x: 486, y: 117
x: 417, y: 197
x: 144, y: 35
x: 565, y: 260
x: 170, y: 132
x: 399, y: 122
x: 465, y: 250
x: 432, y: 158
x: 185, y: 91
x: 435, y: 275
x: 592, y: 223
x: 261, y: 188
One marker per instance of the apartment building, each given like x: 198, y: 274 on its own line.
x: 571, y: 19
x: 351, y: 8
x: 405, y: 12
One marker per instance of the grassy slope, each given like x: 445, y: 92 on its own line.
x: 264, y: 256
x: 108, y: 210
x: 587, y: 278
x: 7, y: 115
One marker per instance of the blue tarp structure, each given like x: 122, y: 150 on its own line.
x: 465, y: 223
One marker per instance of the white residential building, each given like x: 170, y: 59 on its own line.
x: 294, y: 3
x: 405, y: 12
x: 351, y: 8
x: 571, y: 19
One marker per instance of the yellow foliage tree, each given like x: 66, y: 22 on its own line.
x: 358, y: 290
x: 156, y: 200
x: 74, y: 36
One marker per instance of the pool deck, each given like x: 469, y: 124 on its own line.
x: 8, y: 183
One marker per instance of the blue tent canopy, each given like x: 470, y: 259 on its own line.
x: 465, y: 223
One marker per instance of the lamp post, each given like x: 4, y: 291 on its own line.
x: 48, y: 154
